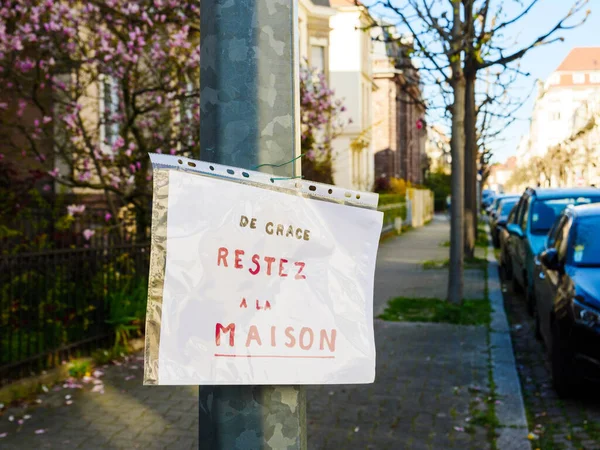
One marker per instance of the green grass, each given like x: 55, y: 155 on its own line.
x: 482, y: 238
x: 471, y: 312
x: 470, y: 263
x: 78, y: 368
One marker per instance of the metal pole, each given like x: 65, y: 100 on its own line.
x: 249, y: 103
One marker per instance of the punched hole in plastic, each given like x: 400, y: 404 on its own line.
x: 211, y: 167
x: 191, y: 164
x: 246, y: 174
x: 180, y: 161
x: 330, y: 191
x: 230, y: 172
x: 312, y: 187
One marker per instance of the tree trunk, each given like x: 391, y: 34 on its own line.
x: 457, y: 148
x: 470, y: 164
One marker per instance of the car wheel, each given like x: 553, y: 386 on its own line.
x: 516, y: 287
x: 531, y: 306
x: 538, y: 324
x: 506, y: 267
x: 561, y: 360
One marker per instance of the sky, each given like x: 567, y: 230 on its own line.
x: 542, y: 61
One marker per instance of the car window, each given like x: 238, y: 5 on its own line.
x: 506, y: 206
x: 524, y: 214
x: 585, y: 245
x: 512, y: 214
x: 555, y: 231
x: 545, y: 212
x: 562, y: 240
x: 518, y: 210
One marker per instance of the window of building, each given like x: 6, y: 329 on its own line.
x: 579, y: 78
x: 108, y: 108
x: 595, y: 77
x: 554, y: 79
x: 317, y: 57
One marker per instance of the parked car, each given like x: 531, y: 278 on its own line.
x: 536, y: 212
x: 487, y: 198
x: 493, y: 208
x: 503, y: 236
x: 499, y: 216
x: 567, y: 293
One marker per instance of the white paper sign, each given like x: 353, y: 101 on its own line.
x: 264, y: 287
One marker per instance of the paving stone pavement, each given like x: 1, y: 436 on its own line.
x: 430, y: 379
x: 561, y: 424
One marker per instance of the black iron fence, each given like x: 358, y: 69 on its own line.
x: 48, y: 228
x: 61, y: 303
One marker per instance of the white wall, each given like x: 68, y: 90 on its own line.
x: 350, y: 72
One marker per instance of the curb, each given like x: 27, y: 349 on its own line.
x: 513, y: 429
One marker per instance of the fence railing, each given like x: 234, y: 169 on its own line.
x: 61, y: 303
x: 391, y: 213
x: 45, y: 229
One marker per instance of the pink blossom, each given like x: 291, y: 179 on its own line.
x: 75, y: 209
x: 119, y: 143
x: 85, y: 176
x: 47, y: 187
x: 54, y: 173
x: 107, y: 216
x: 87, y: 234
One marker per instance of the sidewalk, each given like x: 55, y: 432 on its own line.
x: 421, y: 397
x: 430, y: 377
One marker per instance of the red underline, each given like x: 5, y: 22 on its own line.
x: 273, y: 356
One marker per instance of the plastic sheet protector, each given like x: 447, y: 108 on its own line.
x: 258, y: 280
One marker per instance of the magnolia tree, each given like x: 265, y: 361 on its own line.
x: 321, y: 122
x: 90, y: 88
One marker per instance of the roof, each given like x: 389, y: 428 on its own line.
x: 507, y: 196
x: 343, y: 3
x: 592, y: 209
x: 321, y: 2
x: 581, y: 59
x: 549, y: 193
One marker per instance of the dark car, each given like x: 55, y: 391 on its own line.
x: 503, y: 237
x: 487, y: 198
x: 567, y: 293
x: 536, y: 212
x: 499, y: 216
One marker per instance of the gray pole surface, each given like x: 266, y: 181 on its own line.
x: 250, y: 116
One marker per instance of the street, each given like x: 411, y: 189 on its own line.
x: 558, y: 424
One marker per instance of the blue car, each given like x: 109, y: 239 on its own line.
x: 567, y: 293
x: 536, y: 212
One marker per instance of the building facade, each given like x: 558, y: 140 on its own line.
x: 350, y: 74
x: 399, y: 133
x: 560, y: 147
x: 313, y: 26
x: 437, y: 149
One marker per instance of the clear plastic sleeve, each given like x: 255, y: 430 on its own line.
x: 255, y: 280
